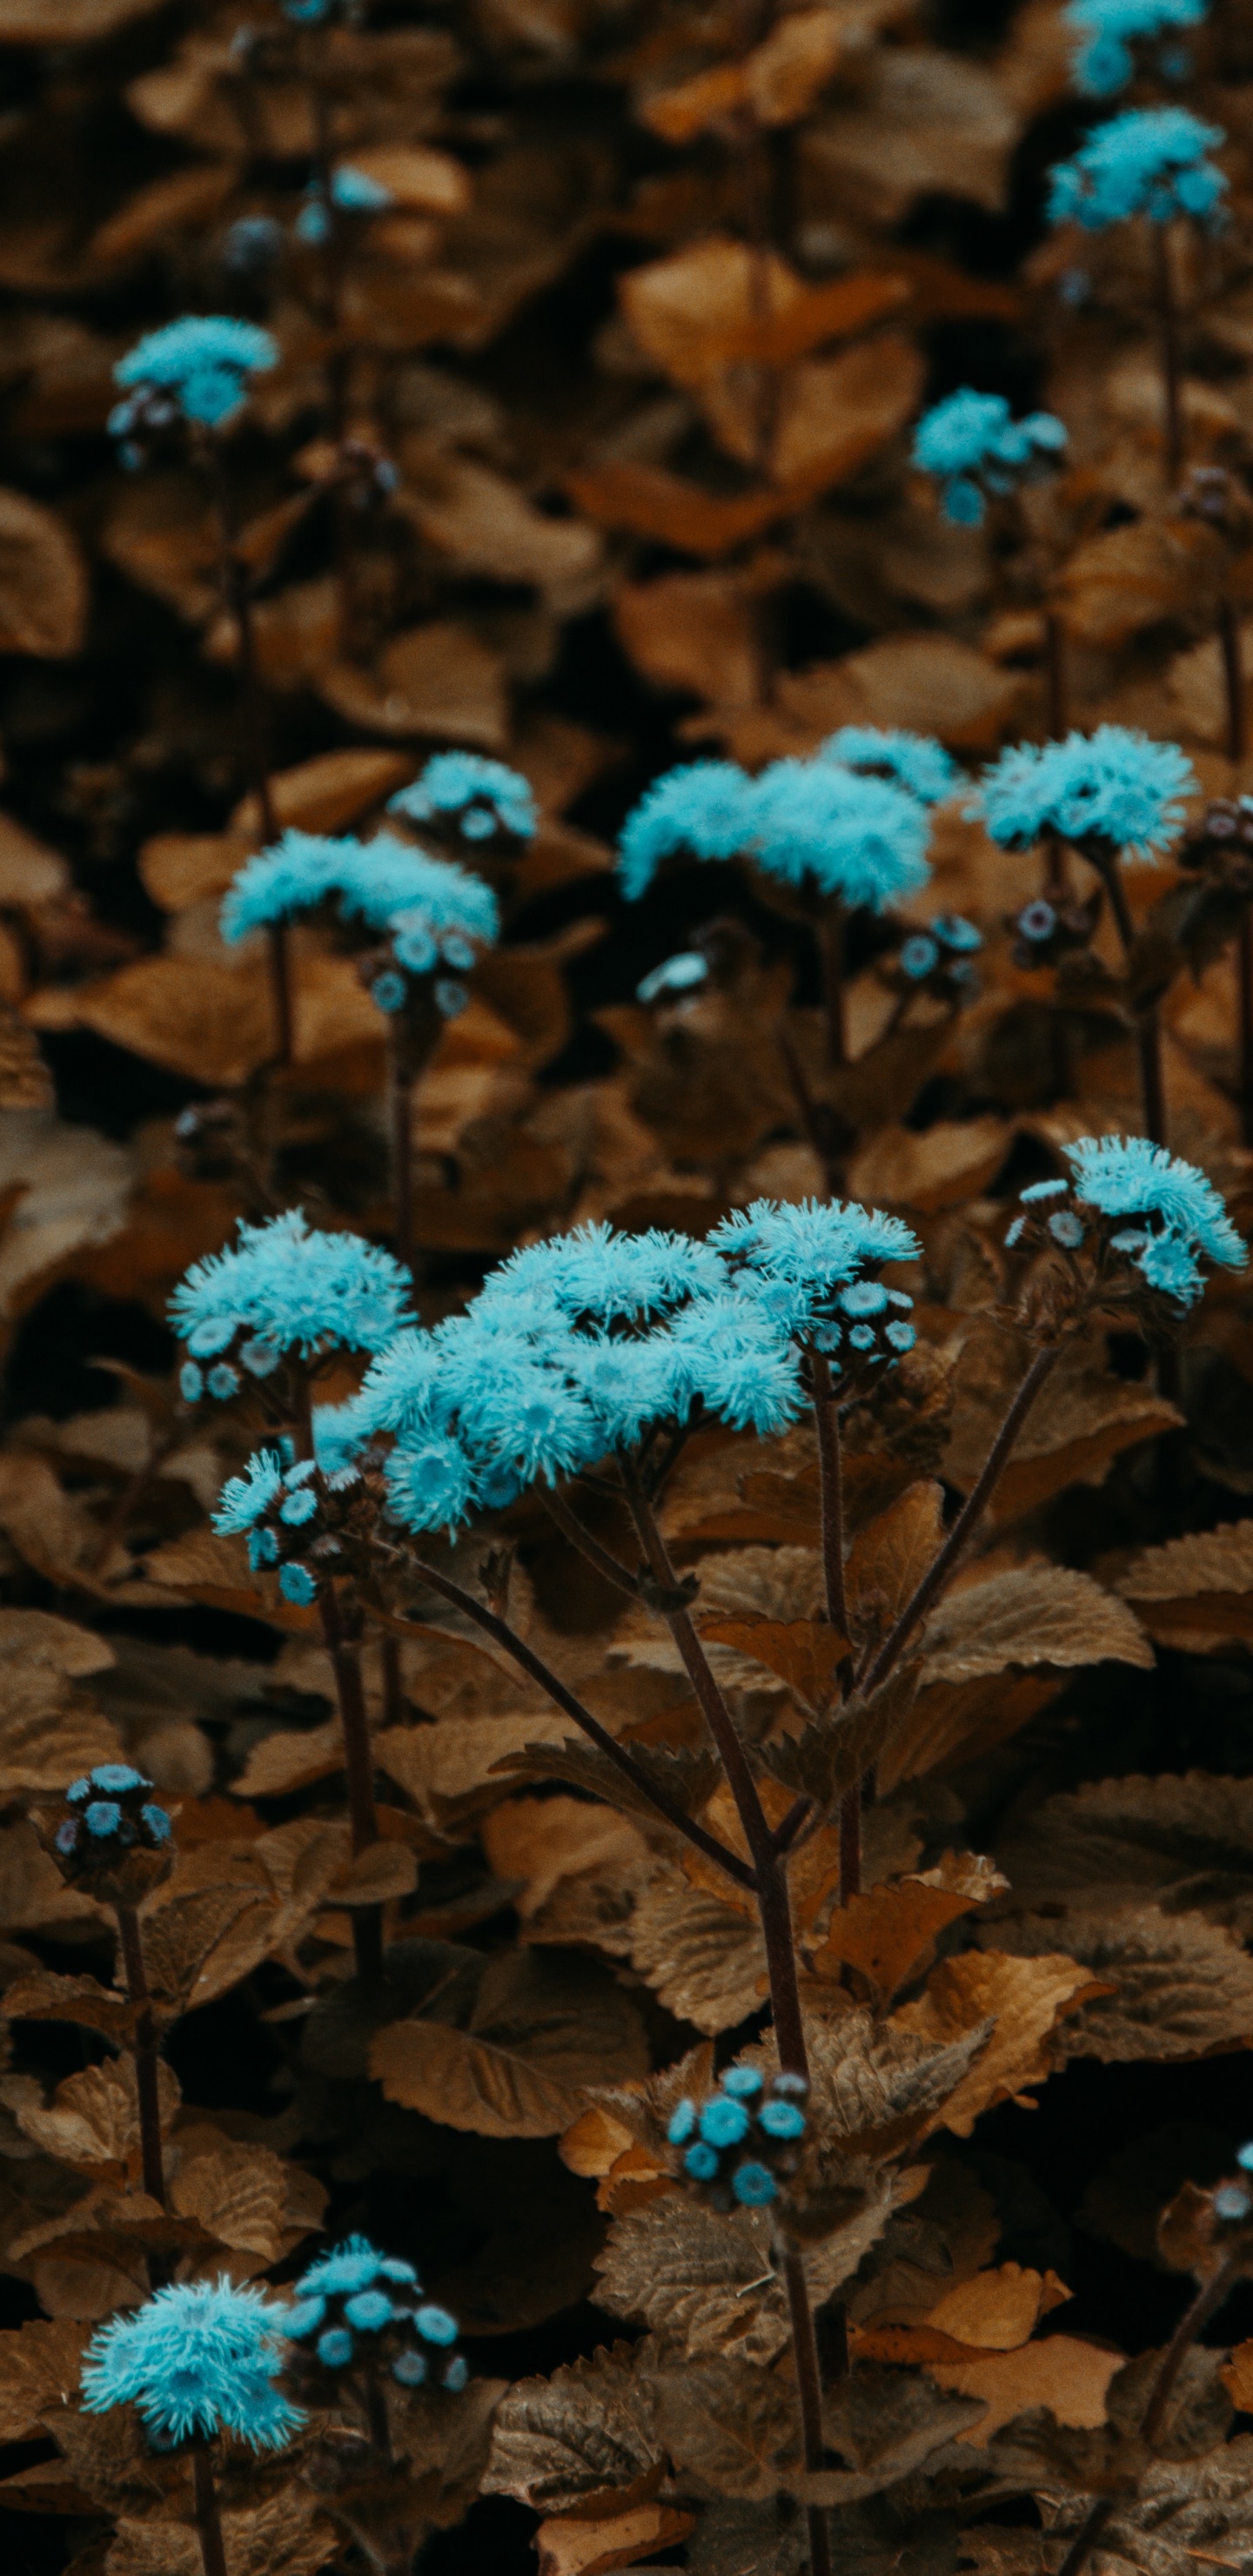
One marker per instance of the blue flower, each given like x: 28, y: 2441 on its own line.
x: 701, y: 2162
x: 190, y: 1382
x: 604, y: 1276
x: 297, y: 1584
x: 1119, y: 787
x: 706, y: 809
x: 1148, y: 161
x: 245, y: 1498
x: 435, y: 2324
x: 743, y: 2081
x: 335, y: 2348
x: 203, y: 361
x: 103, y: 1818
x: 377, y: 882
x: 680, y: 974
x: 782, y: 2120
x: 117, y: 1777
x: 1106, y: 62
x: 313, y: 223
x: 724, y: 2121
x: 954, y: 932
x: 733, y: 1355
x: 199, y: 2358
x: 354, y: 2265
x: 157, y: 1822
x: 222, y: 1381
x: 296, y: 1289
x: 911, y: 760
x: 356, y: 193
x: 838, y: 831
x: 811, y: 1247
x: 974, y: 447
x: 369, y: 2310
x: 918, y: 957
x: 754, y: 2186
x: 1126, y: 1176
x: 388, y: 991
x: 431, y: 1482
x: 682, y: 2123
x: 488, y: 796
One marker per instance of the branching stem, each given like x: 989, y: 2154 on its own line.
x: 605, y: 1562
x: 344, y: 1648
x: 1148, y: 1025
x: 147, y: 2057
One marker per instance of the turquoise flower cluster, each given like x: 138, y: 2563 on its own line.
x: 849, y: 828
x: 356, y: 2304
x: 289, y: 1509
x: 976, y: 450
x: 480, y: 797
x: 283, y: 1289
x: 1114, y: 787
x: 1105, y: 62
x: 195, y: 370
x: 200, y: 2358
x: 1150, y: 161
x: 433, y: 914
x: 110, y: 1811
x: 739, y: 2144
x: 940, y: 955
x: 1169, y: 1218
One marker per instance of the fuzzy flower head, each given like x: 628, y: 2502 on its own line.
x: 480, y: 798
x: 111, y: 1836
x: 914, y: 761
x: 705, y: 810
x: 375, y: 882
x: 1131, y: 1205
x: 284, y: 1289
x: 198, y: 2359
x: 1149, y: 161
x: 1116, y: 788
x: 835, y: 833
x: 194, y: 370
x: 747, y: 2137
x: 814, y: 1266
x: 298, y: 1516
x: 975, y: 449
x: 1105, y: 62
x: 354, y: 2306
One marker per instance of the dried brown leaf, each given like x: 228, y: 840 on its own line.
x: 541, y: 2031
x: 582, y: 2439
x: 1024, y: 1999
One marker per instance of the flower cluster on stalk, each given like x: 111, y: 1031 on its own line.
x: 300, y: 1518
x: 738, y: 2146
x: 977, y: 451
x: 911, y: 760
x: 939, y: 959
x: 1150, y: 161
x: 481, y: 800
x: 1053, y: 933
x: 1110, y: 792
x: 111, y: 1835
x: 197, y: 2359
x: 1110, y: 28
x: 433, y: 915
x: 283, y: 1293
x: 1143, y: 1220
x: 828, y: 828
x: 195, y: 370
x: 356, y: 2307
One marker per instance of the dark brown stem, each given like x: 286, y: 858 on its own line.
x: 345, y: 1654
x: 129, y: 1499
x: 967, y: 1520
x: 401, y: 1084
x: 809, y: 2388
x: 236, y: 583
x: 810, y: 1110
x: 1204, y: 2306
x: 376, y: 2413
x: 830, y: 1469
x: 769, y: 1872
x: 208, y: 2519
x: 1168, y: 321
x: 1056, y: 709
x: 529, y: 1662
x: 850, y: 1843
x: 395, y: 1708
x: 147, y: 2056
x: 831, y: 939
x: 1148, y: 1024
x: 1244, y: 969
x: 605, y: 1562
x: 1233, y: 678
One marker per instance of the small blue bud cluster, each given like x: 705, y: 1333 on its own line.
x: 108, y: 1813
x: 298, y: 1517
x: 356, y: 2305
x: 1044, y: 933
x: 938, y: 959
x: 740, y: 2144
x: 1105, y: 62
x: 482, y: 800
x: 978, y: 451
x: 1134, y: 1206
x: 1149, y: 161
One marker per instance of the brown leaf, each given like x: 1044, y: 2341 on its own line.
x: 181, y: 201
x: 1238, y: 2377
x: 692, y: 631
x: 43, y: 581
x: 574, y: 2546
x: 1062, y: 2372
x: 705, y: 2283
x: 1142, y: 1836
x: 32, y: 1890
x: 239, y: 2196
x: 39, y: 2367
x: 925, y: 123
x: 93, y: 2117
x: 888, y: 1935
x: 1132, y: 577
x: 541, y: 2031
x: 65, y: 22
x: 1031, y: 1615
x: 955, y: 1722
x: 731, y: 2429
x: 416, y: 175
x: 998, y: 2310
x: 437, y: 679
x: 1026, y: 1999
x: 25, y: 1082
x: 952, y: 1161
x: 889, y: 1558
x: 1195, y: 1589
x: 290, y: 1760
x: 647, y: 501
x: 485, y: 524
x: 1181, y: 1987
x: 542, y: 1841
x: 43, y: 1996
x: 582, y: 2439
x: 932, y: 682
x: 805, y: 1653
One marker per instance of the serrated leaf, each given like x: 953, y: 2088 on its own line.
x: 1197, y: 1589
x: 44, y: 1996
x: 890, y: 1557
x: 730, y: 2429
x: 805, y: 1653
x: 704, y: 1959
x: 686, y: 1774
x: 830, y: 1753
x: 570, y: 2545
x: 1182, y: 1987
x: 705, y: 2283
x: 582, y: 2438
x: 39, y: 2371
x: 886, y: 2423
x: 1192, y: 1835
x: 1032, y: 1615
x: 887, y: 1934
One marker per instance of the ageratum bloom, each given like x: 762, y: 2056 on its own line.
x: 483, y: 796
x: 288, y: 1289
x: 1149, y: 161
x: 378, y: 882
x: 837, y: 833
x: 199, y: 2358
x: 808, y: 1262
x: 910, y: 760
x: 974, y: 448
x: 705, y: 809
x: 202, y: 363
x: 355, y: 2292
x: 1112, y: 786
x: 1105, y: 62
x: 1178, y: 1217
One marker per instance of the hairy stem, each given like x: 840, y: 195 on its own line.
x: 572, y: 1707
x: 208, y: 2518
x: 147, y: 2058
x: 967, y: 1520
x: 809, y: 2388
x: 1168, y: 324
x: 831, y: 1479
x: 602, y: 1558
x: 344, y: 1650
x: 1205, y: 2305
x: 1148, y: 1025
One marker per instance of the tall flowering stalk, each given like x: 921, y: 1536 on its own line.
x: 981, y: 458
x: 112, y: 1838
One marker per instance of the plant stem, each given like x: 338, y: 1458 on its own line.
x: 208, y: 2519
x: 235, y: 581
x: 394, y: 1707
x: 850, y: 1843
x: 147, y: 2060
x: 1244, y: 968
x: 1168, y: 320
x: 1237, y: 745
x: 1148, y: 1025
x: 401, y: 1100
x: 605, y: 1562
x: 345, y: 1654
x: 1206, y: 2304
x: 809, y: 2386
x: 831, y: 1482
x: 831, y: 941
x: 1056, y: 708
x: 572, y: 1707
x: 971, y: 1513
